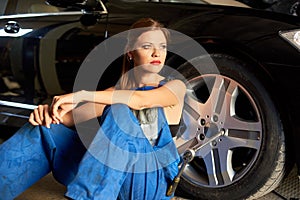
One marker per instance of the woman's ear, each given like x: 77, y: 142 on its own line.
x: 130, y: 55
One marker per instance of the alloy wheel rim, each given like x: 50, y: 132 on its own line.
x: 216, y: 103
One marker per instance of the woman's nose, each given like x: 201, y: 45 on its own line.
x: 155, y: 52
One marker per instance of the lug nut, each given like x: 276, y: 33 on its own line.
x: 215, y: 118
x: 214, y: 143
x: 201, y: 136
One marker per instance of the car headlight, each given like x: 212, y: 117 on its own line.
x: 292, y: 36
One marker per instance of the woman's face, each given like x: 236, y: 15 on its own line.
x: 150, y: 51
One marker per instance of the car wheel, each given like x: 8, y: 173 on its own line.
x: 234, y: 118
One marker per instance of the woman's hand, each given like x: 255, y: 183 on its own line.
x: 41, y: 116
x: 65, y: 103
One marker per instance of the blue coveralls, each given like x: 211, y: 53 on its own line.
x: 119, y: 163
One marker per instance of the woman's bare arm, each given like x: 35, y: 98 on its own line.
x: 83, y: 113
x: 169, y: 95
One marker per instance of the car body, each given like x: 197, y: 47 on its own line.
x: 243, y: 86
x: 290, y: 7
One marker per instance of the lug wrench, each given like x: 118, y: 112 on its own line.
x: 187, y: 157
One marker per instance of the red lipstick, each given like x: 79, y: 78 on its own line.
x: 155, y: 62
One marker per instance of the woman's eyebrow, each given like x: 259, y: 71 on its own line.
x: 152, y: 43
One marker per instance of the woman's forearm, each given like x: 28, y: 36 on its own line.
x: 165, y: 96
x: 83, y: 113
x: 108, y: 97
x: 169, y: 95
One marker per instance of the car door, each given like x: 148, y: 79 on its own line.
x: 42, y: 47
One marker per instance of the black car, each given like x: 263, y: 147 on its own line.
x: 290, y: 7
x: 241, y: 67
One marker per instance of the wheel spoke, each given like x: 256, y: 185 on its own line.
x: 243, y: 133
x: 219, y: 170
x: 244, y: 139
x: 192, y: 107
x: 229, y: 100
x: 217, y: 95
x: 227, y: 115
x: 233, y: 123
x: 210, y: 165
x: 225, y: 160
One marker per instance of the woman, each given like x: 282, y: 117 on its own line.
x: 132, y: 155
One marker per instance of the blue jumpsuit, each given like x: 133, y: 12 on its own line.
x: 119, y: 162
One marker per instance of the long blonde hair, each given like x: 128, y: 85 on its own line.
x: 127, y: 80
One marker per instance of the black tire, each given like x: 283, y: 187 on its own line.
x: 249, y: 160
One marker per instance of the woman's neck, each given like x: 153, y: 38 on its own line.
x: 148, y: 80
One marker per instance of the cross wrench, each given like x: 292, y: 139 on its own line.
x: 187, y: 157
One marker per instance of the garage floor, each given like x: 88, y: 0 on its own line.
x: 48, y: 189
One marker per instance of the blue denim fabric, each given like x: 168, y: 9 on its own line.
x: 120, y: 163
x: 32, y: 152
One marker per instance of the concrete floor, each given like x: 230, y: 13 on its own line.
x: 48, y: 189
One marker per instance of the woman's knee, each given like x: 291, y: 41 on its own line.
x: 120, y: 114
x: 119, y: 108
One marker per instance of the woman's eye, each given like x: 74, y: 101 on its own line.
x: 146, y: 46
x: 164, y: 46
x: 149, y: 46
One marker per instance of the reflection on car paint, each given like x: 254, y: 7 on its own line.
x: 18, y: 34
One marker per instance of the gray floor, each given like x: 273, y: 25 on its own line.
x: 48, y: 189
